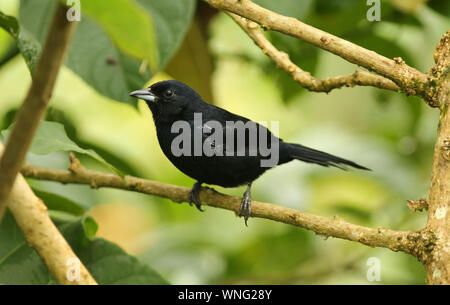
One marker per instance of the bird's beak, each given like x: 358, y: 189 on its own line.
x: 144, y: 94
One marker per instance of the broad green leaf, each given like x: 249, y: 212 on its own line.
x: 10, y: 235
x: 59, y: 203
x: 19, y: 263
x: 442, y: 7
x: 72, y: 131
x: 9, y: 24
x: 51, y: 137
x: 172, y: 19
x: 107, y: 262
x: 193, y: 63
x: 128, y: 25
x: 27, y: 45
x: 60, y: 217
x: 387, y: 47
x: 100, y: 59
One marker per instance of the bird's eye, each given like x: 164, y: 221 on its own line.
x: 168, y: 93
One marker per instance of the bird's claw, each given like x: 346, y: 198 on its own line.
x: 193, y: 196
x: 246, y: 209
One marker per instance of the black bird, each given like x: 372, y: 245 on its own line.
x: 232, y: 164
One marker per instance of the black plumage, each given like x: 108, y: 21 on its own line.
x: 172, y: 101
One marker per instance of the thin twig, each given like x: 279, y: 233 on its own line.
x: 36, y: 101
x: 418, y: 205
x: 360, y: 78
x: 380, y: 237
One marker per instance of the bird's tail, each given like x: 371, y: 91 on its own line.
x: 310, y: 155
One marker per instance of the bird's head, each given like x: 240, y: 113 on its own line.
x: 168, y: 98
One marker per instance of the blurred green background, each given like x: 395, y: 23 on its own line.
x: 385, y: 131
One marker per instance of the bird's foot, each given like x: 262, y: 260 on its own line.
x: 193, y: 196
x: 246, y: 208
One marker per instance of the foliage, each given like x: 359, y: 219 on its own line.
x: 110, y: 60
x: 108, y: 264
x: 113, y: 53
x: 28, y: 47
x: 51, y: 137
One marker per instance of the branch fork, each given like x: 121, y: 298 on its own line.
x: 393, y: 74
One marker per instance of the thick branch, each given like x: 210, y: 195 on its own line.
x: 35, y: 104
x: 405, y: 241
x: 305, y: 79
x: 41, y: 234
x: 410, y: 80
x: 438, y: 261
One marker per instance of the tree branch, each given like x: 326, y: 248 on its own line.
x: 361, y: 78
x: 36, y: 101
x: 405, y: 241
x: 410, y: 80
x: 438, y: 262
x: 40, y: 233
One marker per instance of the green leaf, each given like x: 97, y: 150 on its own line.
x: 104, y: 61
x: 107, y: 262
x: 172, y: 19
x: 72, y: 131
x: 193, y: 63
x: 19, y: 263
x: 381, y: 45
x: 59, y: 203
x: 10, y: 235
x: 90, y: 227
x: 128, y: 25
x: 80, y: 233
x: 9, y: 24
x: 27, y: 45
x: 51, y: 137
x: 442, y: 7
x: 61, y: 217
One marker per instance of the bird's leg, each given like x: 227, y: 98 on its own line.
x: 193, y: 196
x: 246, y: 209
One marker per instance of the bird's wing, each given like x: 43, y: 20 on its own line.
x: 235, y: 134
